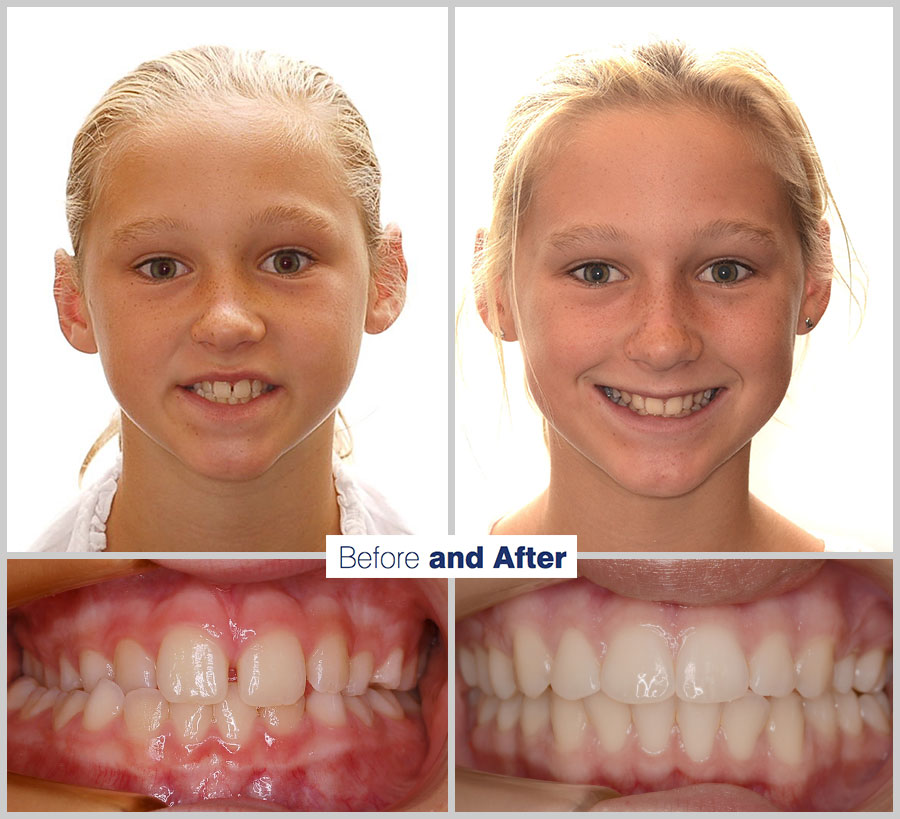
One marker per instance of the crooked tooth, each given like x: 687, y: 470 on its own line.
x: 868, y: 669
x: 710, y: 666
x: 233, y: 717
x: 145, y: 711
x: 360, y: 708
x: 191, y: 667
x: 465, y: 659
x: 815, y: 667
x: 653, y: 722
x: 272, y: 670
x: 848, y: 716
x: 500, y: 670
x: 362, y: 664
x: 742, y: 722
x: 190, y: 720
x: 654, y: 406
x: 772, y: 667
x: 385, y: 703
x: 610, y: 719
x: 674, y: 406
x: 51, y: 677
x: 39, y: 700
x: 69, y: 678
x: 786, y: 729
x: 535, y: 714
x: 328, y: 669
x: 221, y: 389
x: 388, y: 674
x: 19, y: 692
x: 638, y: 666
x: 568, y: 722
x: 134, y: 667
x: 69, y: 705
x: 842, y: 681
x: 282, y: 720
x: 532, y: 661
x: 103, y: 705
x: 821, y: 714
x: 698, y: 723
x: 576, y: 671
x: 508, y: 713
x: 873, y: 714
x: 93, y: 667
x: 242, y: 389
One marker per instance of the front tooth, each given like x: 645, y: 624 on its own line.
x: 821, y: 715
x: 191, y: 720
x: 772, y: 667
x: 362, y: 665
x: 191, y: 667
x: 134, y: 667
x: 674, y: 405
x: 742, y: 722
x: 653, y: 722
x: 815, y: 667
x: 328, y: 668
x: 568, y: 722
x: 654, y: 406
x: 500, y: 669
x: 535, y: 714
x: 242, y: 389
x: 272, y: 670
x: 868, y: 670
x: 232, y: 715
x: 94, y: 667
x: 848, y: 716
x: 508, y: 713
x: 576, y: 671
x: 282, y: 720
x: 610, y: 719
x: 786, y: 729
x: 698, y: 723
x: 711, y: 666
x: 360, y: 708
x: 221, y: 389
x: 388, y: 674
x: 466, y: 661
x: 103, y: 705
x: 19, y: 692
x: 145, y: 711
x: 637, y: 666
x: 843, y: 674
x: 532, y: 661
x: 69, y: 678
x: 385, y: 703
x: 67, y: 706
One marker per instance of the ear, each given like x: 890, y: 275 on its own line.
x: 817, y: 283
x: 485, y: 300
x: 387, y: 287
x: 74, y: 319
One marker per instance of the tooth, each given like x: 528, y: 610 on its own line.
x: 637, y: 401
x: 772, y: 667
x: 242, y: 389
x: 568, y: 722
x: 487, y: 710
x: 191, y: 720
x: 233, y: 716
x: 815, y: 667
x: 710, y: 666
x: 385, y: 703
x: 610, y: 719
x: 697, y: 397
x: 742, y: 722
x: 328, y: 668
x: 388, y: 674
x: 134, y: 667
x: 40, y: 700
x: 500, y: 670
x: 627, y: 396
x: 256, y: 386
x: 69, y: 678
x: 508, y: 713
x: 67, y: 706
x: 674, y: 406
x: 576, y: 671
x: 272, y: 670
x: 360, y: 708
x: 868, y: 669
x: 848, y: 716
x: 532, y: 661
x: 484, y: 672
x: 51, y: 677
x: 654, y: 406
x: 191, y: 667
x: 221, y: 389
x: 535, y: 714
x: 410, y: 705
x: 327, y: 708
x: 145, y: 711
x: 653, y: 722
x: 873, y: 715
x: 409, y: 677
x: 18, y: 693
x: 843, y: 674
x: 31, y: 667
x: 206, y: 386
x: 282, y: 720
x: 786, y: 729
x: 698, y: 723
x: 103, y: 705
x: 94, y: 667
x: 465, y: 659
x: 637, y: 666
x: 362, y: 665
x: 821, y: 715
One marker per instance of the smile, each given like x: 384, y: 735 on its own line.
x: 679, y: 406
x: 224, y: 392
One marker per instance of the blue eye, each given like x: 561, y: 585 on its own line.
x: 162, y: 268
x: 286, y: 262
x: 726, y: 272
x: 597, y: 273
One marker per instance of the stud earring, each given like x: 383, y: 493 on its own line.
x: 809, y: 323
x: 502, y: 335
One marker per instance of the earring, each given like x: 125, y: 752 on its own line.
x: 502, y: 334
x: 809, y: 323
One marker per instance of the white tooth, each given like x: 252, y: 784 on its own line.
x: 508, y: 713
x: 362, y: 665
x: 388, y: 674
x: 69, y: 678
x: 69, y: 705
x: 711, y: 666
x: 484, y: 672
x: 31, y: 667
x: 500, y: 669
x: 221, y: 389
x: 653, y: 722
x: 868, y: 669
x: 385, y: 703
x: 697, y: 397
x: 627, y: 396
x: 282, y: 720
x: 569, y: 723
x: 742, y: 722
x: 191, y: 667
x: 873, y: 715
x: 17, y: 694
x: 674, y: 405
x: 487, y: 710
x: 242, y: 389
x: 145, y: 711
x: 848, y: 716
x: 272, y: 670
x: 94, y: 667
x: 51, y: 677
x: 815, y: 667
x: 576, y: 671
x: 191, y: 720
x: 256, y: 386
x: 327, y: 708
x: 103, y: 705
x: 206, y: 386
x: 328, y: 668
x: 637, y: 401
x: 638, y: 666
x: 698, y: 723
x: 535, y: 714
x: 843, y: 674
x: 360, y: 708
x: 786, y: 729
x: 465, y: 659
x: 610, y: 719
x: 654, y: 406
x: 409, y: 677
x: 882, y: 699
x: 532, y: 661
x: 821, y: 714
x: 886, y: 673
x: 233, y: 716
x: 39, y: 701
x: 134, y: 667
x: 772, y: 667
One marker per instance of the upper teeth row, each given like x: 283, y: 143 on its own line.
x: 223, y: 392
x: 677, y: 407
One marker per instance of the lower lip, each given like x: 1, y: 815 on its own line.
x: 660, y: 423
x: 231, y: 412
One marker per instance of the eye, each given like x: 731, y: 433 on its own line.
x: 726, y: 272
x: 597, y: 273
x: 286, y: 262
x: 162, y: 268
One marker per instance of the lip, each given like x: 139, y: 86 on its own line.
x: 660, y: 423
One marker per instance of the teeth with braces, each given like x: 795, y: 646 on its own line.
x: 679, y: 406
x: 224, y: 392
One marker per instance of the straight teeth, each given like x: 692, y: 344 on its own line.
x: 680, y: 406
x: 223, y: 392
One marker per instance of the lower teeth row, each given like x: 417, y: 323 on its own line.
x: 221, y: 392
x: 657, y: 406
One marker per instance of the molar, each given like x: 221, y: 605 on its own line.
x: 786, y: 729
x: 611, y: 721
x: 637, y: 666
x: 742, y: 722
x: 191, y: 667
x: 500, y: 670
x: 328, y: 669
x: 134, y: 667
x: 654, y: 721
x: 576, y: 671
x: 711, y: 666
x: 568, y: 722
x: 508, y: 713
x: 698, y: 723
x: 465, y: 659
x: 873, y: 714
x: 410, y: 676
x: 233, y: 716
x: 772, y: 667
x: 388, y: 674
x: 39, y: 700
x: 815, y: 667
x: 103, y: 705
x: 868, y: 669
x: 94, y: 667
x: 145, y: 711
x: 31, y: 667
x: 69, y: 678
x: 69, y: 705
x: 272, y: 670
x: 362, y: 664
x: 532, y: 661
x: 535, y: 714
x: 191, y: 720
x: 18, y: 693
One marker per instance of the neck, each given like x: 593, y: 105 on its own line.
x: 161, y: 505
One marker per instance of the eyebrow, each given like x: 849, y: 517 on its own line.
x: 292, y: 214
x: 600, y: 232
x: 144, y: 227
x: 722, y: 228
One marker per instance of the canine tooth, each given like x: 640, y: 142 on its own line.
x: 568, y: 722
x: 535, y: 714
x: 487, y: 710
x: 576, y: 672
x: 532, y: 662
x: 385, y: 703
x: 654, y: 406
x: 134, y: 667
x: 698, y: 723
x: 868, y: 669
x: 388, y: 674
x: 772, y: 667
x: 500, y: 669
x: 328, y: 669
x: 69, y: 678
x: 232, y: 715
x: 409, y: 677
x: 272, y: 670
x: 483, y: 671
x: 191, y: 667
x: 256, y: 385
x: 654, y: 721
x: 145, y: 711
x: 842, y: 680
x: 282, y: 720
x: 360, y: 708
x: 191, y: 720
x: 627, y: 397
x: 815, y: 667
x: 673, y: 406
x: 696, y: 398
x: 611, y: 720
x: 821, y: 715
x: 848, y: 716
x: 786, y: 729
x: 742, y: 722
x: 508, y: 713
x: 103, y: 705
x: 40, y: 700
x: 637, y: 666
x: 69, y: 705
x: 465, y: 659
x: 873, y: 715
x: 94, y: 667
x: 711, y: 666
x: 17, y: 694
x: 362, y: 664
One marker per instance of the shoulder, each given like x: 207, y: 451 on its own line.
x: 364, y: 510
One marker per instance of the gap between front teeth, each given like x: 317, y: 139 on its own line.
x: 680, y: 406
x: 223, y: 392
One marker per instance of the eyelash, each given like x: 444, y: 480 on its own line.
x: 144, y: 268
x: 580, y: 271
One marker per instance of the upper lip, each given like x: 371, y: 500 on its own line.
x: 230, y: 377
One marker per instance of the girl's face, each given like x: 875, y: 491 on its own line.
x: 221, y: 261
x: 658, y: 258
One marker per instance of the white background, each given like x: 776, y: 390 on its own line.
x: 825, y: 460
x: 393, y: 65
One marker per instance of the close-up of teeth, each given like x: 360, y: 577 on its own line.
x: 679, y: 406
x: 224, y: 392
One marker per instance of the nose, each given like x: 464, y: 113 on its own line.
x: 664, y: 333
x: 230, y: 314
